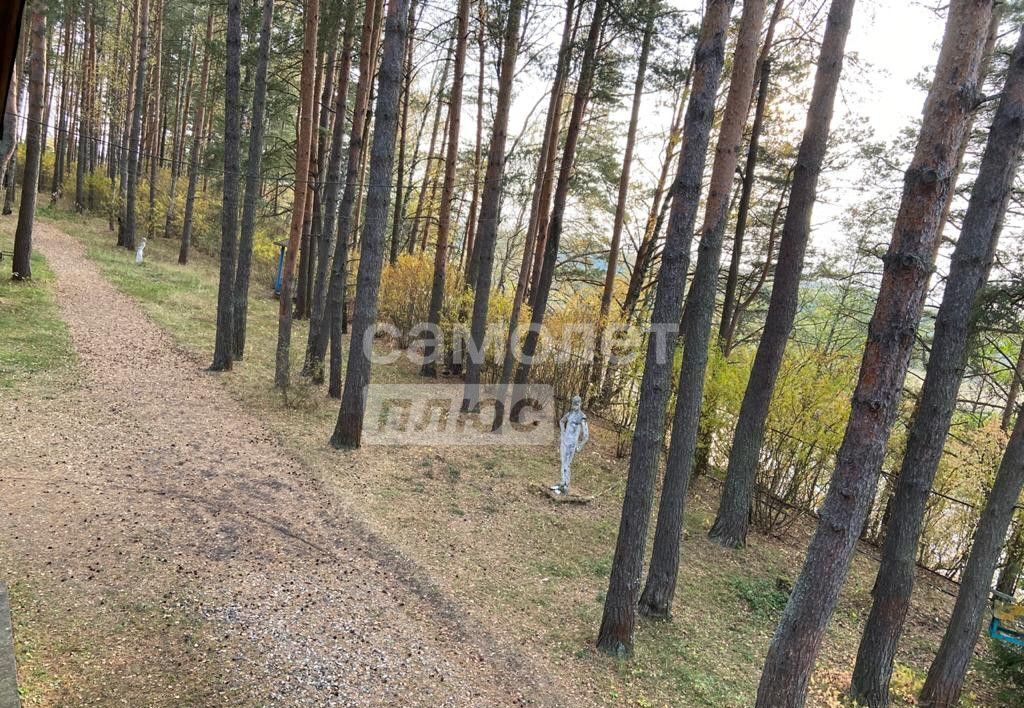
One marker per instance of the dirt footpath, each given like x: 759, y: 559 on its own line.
x: 164, y: 549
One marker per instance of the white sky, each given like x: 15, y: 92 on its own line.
x: 890, y: 43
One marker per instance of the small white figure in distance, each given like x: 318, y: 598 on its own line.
x: 138, y: 251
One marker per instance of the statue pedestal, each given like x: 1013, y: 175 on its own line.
x: 569, y: 498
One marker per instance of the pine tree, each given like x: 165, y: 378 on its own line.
x: 222, y: 350
x: 311, y: 18
x: 21, y: 263
x: 970, y: 264
x: 349, y: 428
x: 656, y: 599
x: 891, y: 334
x: 619, y: 618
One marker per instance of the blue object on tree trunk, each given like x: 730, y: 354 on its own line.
x: 282, y: 245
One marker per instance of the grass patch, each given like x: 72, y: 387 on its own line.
x: 34, y: 342
x: 765, y: 599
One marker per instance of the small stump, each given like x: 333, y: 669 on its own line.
x: 569, y: 498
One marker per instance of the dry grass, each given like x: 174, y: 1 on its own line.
x: 531, y: 571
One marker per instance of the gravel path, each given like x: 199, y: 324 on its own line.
x: 148, y: 491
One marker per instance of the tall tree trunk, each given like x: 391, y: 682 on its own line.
x: 619, y: 618
x: 60, y: 139
x: 21, y: 263
x: 222, y: 350
x: 490, y: 203
x: 282, y: 364
x: 565, y: 173
x: 349, y: 428
x: 156, y: 144
x: 332, y: 190
x: 131, y: 189
x: 891, y: 334
x: 474, y: 200
x: 252, y: 182
x: 83, y: 114
x: 197, y: 146
x: 48, y: 82
x: 538, y: 202
x: 731, y: 523
x: 541, y: 194
x: 179, y: 143
x: 339, y: 264
x: 307, y: 252
x: 971, y: 261
x: 398, y: 218
x: 656, y: 599
x: 945, y: 680
x: 447, y: 190
x: 125, y: 129
x: 726, y: 325
x: 619, y: 220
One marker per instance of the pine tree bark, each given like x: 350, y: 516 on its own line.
x: 732, y: 521
x: 538, y: 203
x: 223, y: 354
x: 135, y: 137
x: 198, y: 126
x: 328, y: 327
x: 177, y: 154
x: 891, y: 334
x: 349, y: 428
x: 619, y: 220
x: 61, y: 134
x: 490, y: 203
x: 307, y: 250
x: 447, y: 190
x: 726, y: 325
x: 398, y: 217
x: 159, y: 100
x: 554, y: 228
x: 474, y: 199
x: 619, y: 618
x: 282, y: 362
x: 970, y: 265
x: 21, y: 263
x: 332, y: 189
x: 945, y: 680
x: 125, y: 129
x: 83, y: 114
x: 656, y: 599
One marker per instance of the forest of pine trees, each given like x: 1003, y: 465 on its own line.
x: 670, y: 209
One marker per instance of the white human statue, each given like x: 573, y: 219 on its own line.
x: 574, y: 435
x: 138, y: 252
